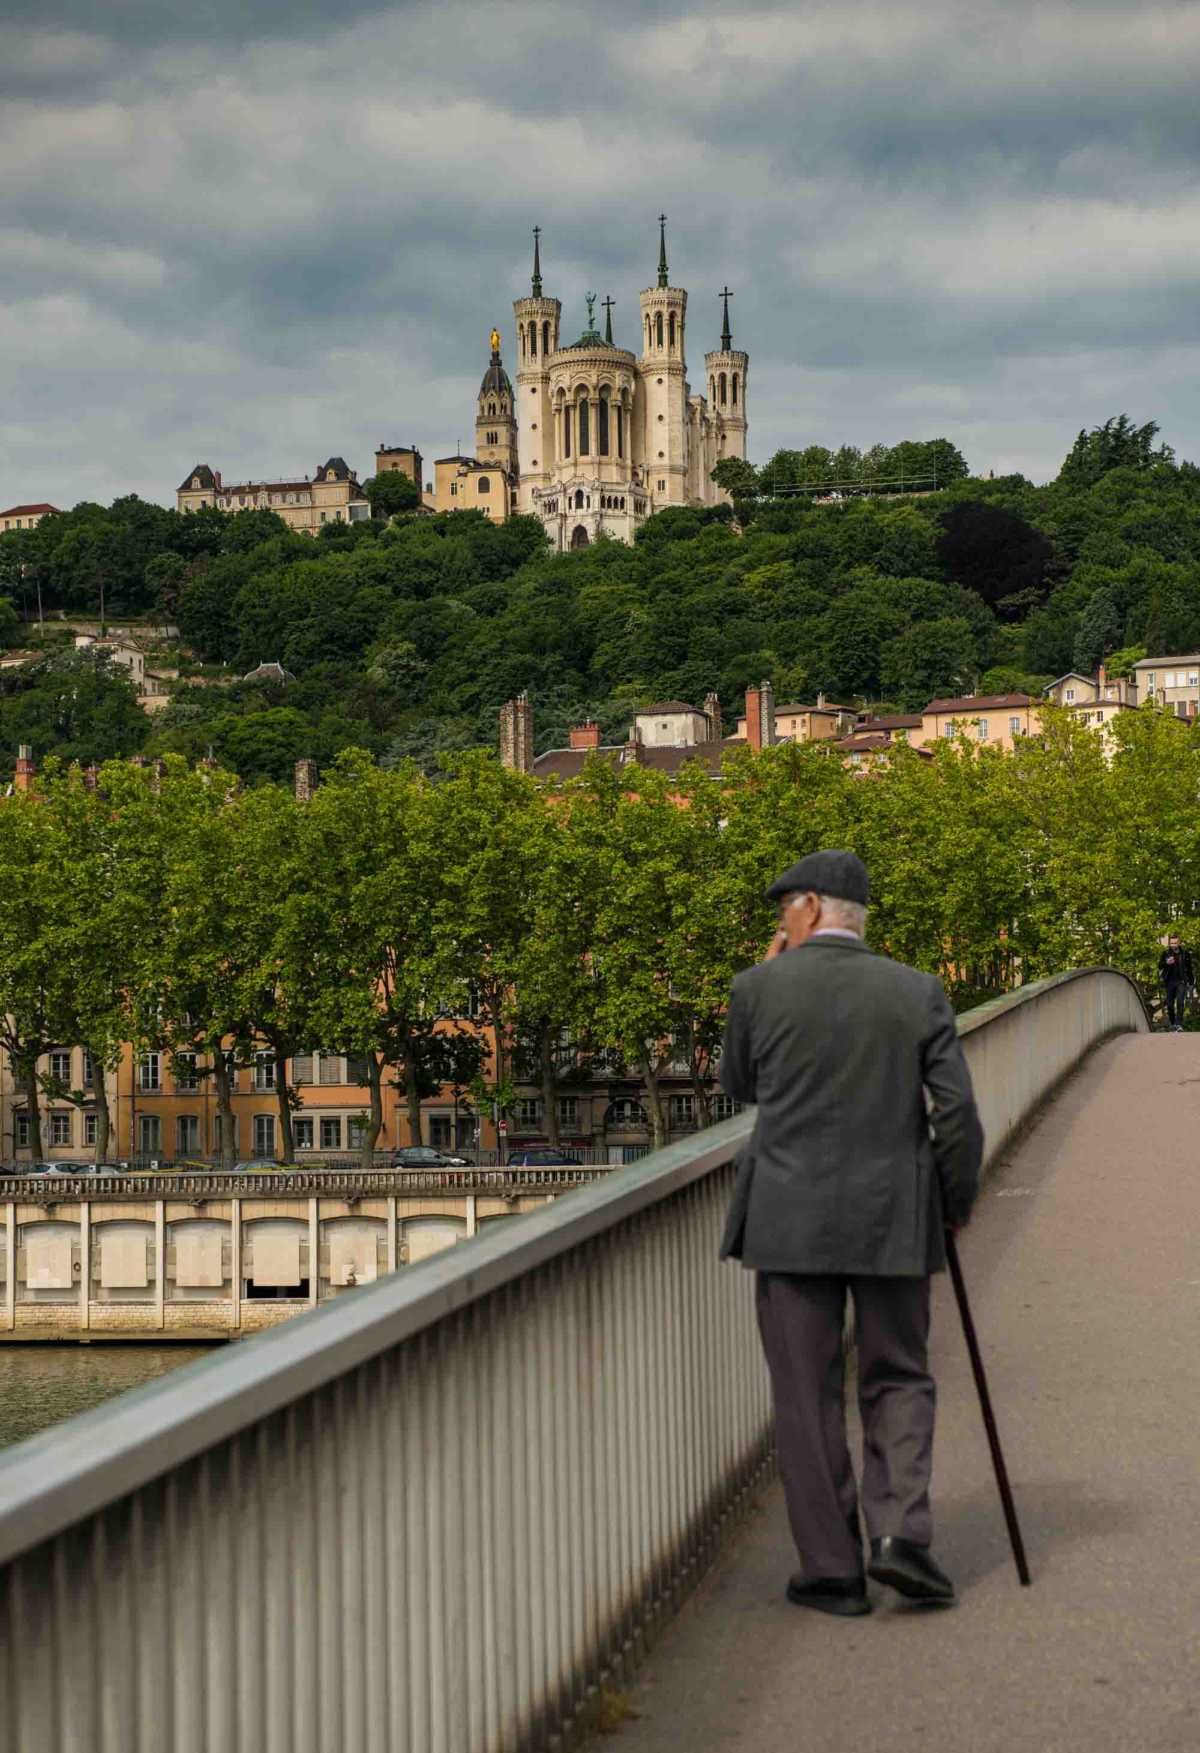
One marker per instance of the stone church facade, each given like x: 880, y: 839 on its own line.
x: 606, y: 436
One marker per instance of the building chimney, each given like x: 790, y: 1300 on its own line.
x: 304, y: 782
x: 712, y: 711
x: 585, y: 736
x: 632, y: 752
x: 760, y: 716
x: 820, y: 702
x: 23, y: 777
x: 1102, y: 676
x: 516, y: 734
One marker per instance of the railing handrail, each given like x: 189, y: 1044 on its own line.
x: 70, y: 1472
x: 218, y: 1184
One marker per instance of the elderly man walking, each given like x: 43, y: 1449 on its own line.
x: 867, y: 1145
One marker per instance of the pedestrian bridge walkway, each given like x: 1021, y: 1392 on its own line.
x: 1083, y: 1262
x: 448, y: 1512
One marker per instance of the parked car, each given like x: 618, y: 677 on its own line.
x: 60, y: 1166
x: 260, y: 1165
x: 423, y: 1156
x: 542, y: 1156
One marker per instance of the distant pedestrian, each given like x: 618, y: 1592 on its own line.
x: 847, y: 1187
x: 1178, y: 977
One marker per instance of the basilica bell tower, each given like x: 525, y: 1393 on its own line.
x: 537, y: 324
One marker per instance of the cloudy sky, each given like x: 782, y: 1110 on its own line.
x: 255, y: 232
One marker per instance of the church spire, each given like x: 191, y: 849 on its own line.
x: 662, y: 249
x: 537, y: 263
x: 726, y: 337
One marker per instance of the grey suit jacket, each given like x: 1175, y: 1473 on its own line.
x: 850, y: 1171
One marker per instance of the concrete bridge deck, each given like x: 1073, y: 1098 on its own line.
x: 1083, y: 1261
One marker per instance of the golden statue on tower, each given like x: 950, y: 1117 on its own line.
x: 495, y: 340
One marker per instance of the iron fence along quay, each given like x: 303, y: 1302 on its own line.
x: 436, y: 1514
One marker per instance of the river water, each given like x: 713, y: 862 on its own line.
x: 42, y: 1384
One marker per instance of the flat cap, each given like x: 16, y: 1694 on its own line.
x: 842, y: 874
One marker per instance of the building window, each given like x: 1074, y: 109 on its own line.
x: 187, y: 1134
x: 568, y: 1110
x: 585, y: 437
x: 184, y: 1066
x: 60, y: 1067
x: 981, y: 729
x: 722, y: 386
x: 21, y: 1134
x: 302, y: 1130
x: 356, y: 1131
x: 149, y: 1135
x: 150, y: 1071
x: 91, y: 1128
x: 60, y: 1129
x: 1014, y: 727
x: 264, y: 1071
x: 662, y: 486
x: 331, y: 1132
x: 658, y: 329
x: 231, y: 1069
x: 485, y: 486
x: 602, y: 422
x: 528, y: 1110
x: 625, y: 1111
x: 671, y: 330
x: 454, y: 489
x: 533, y: 340
x: 302, y: 1068
x: 683, y: 1110
x: 733, y: 388
x: 1070, y: 695
x: 620, y: 430
x: 724, y: 1107
x: 330, y: 1069
x: 264, y: 1135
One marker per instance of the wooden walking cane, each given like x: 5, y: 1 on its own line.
x: 985, y: 1404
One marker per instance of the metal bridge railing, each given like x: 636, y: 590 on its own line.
x: 429, y: 1517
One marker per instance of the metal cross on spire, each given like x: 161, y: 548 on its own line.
x: 662, y: 249
x: 726, y: 337
x: 537, y: 263
x: 608, y: 310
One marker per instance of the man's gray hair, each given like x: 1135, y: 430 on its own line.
x: 845, y: 915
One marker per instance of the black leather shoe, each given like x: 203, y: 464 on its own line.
x: 909, y: 1570
x: 845, y: 1596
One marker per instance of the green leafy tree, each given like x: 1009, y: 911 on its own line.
x: 1118, y: 444
x: 392, y: 493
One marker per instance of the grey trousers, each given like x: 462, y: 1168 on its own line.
x: 801, y: 1319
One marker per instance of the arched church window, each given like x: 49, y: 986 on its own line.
x: 722, y: 383
x: 533, y: 340
x: 658, y: 328
x: 491, y: 407
x: 602, y: 419
x: 620, y: 412
x: 585, y: 437
x: 579, y: 499
x: 712, y: 391
x: 566, y: 428
x: 671, y: 328
x: 545, y: 337
x: 733, y: 383
x: 485, y: 486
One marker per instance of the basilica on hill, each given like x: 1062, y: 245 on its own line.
x: 596, y: 437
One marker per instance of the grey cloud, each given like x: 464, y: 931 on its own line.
x: 256, y: 233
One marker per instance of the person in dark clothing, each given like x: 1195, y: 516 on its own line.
x: 1178, y: 977
x: 867, y: 1145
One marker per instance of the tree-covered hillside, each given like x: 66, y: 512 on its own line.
x: 404, y: 638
